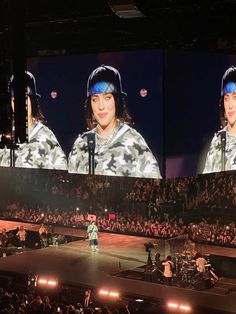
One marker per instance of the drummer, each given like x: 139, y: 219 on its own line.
x: 201, y: 263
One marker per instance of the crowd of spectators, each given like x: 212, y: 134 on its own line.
x: 12, y: 302
x: 202, y: 207
x: 133, y: 224
x: 20, y: 303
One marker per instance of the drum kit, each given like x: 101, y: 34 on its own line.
x: 187, y: 276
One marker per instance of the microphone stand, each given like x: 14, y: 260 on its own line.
x: 223, y: 143
x: 91, y: 149
x: 13, y: 146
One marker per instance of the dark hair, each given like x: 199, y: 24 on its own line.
x: 31, y: 91
x: 36, y: 109
x: 122, y: 113
x: 198, y: 254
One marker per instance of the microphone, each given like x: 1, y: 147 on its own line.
x: 223, y: 144
x: 91, y: 149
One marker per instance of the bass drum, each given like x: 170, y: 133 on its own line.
x: 202, y: 283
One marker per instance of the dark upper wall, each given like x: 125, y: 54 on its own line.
x: 72, y: 26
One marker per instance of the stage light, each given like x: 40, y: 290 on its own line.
x: 52, y: 283
x: 185, y: 308
x: 143, y: 92
x: 103, y: 292
x: 114, y: 294
x: 42, y: 281
x: 109, y: 294
x: 180, y: 308
x: 47, y: 282
x: 139, y: 300
x: 54, y: 94
x: 172, y: 305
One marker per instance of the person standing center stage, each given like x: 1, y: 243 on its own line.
x: 92, y: 232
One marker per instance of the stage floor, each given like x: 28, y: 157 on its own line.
x: 74, y: 264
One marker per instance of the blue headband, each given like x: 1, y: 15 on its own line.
x: 102, y: 87
x: 229, y: 88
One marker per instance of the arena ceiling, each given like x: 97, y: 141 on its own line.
x: 57, y: 27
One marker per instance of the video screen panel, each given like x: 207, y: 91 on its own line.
x: 61, y: 83
x: 172, y: 97
x: 192, y: 113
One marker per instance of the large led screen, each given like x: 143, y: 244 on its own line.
x: 197, y: 125
x: 171, y: 104
x: 121, y: 90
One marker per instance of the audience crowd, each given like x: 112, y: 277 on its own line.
x: 12, y: 302
x: 20, y: 303
x: 201, y: 207
x: 128, y: 223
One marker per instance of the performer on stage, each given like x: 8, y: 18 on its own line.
x: 168, y: 273
x: 200, y: 263
x: 43, y: 235
x: 92, y: 232
x: 21, y: 235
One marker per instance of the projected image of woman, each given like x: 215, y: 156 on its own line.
x: 1, y: 149
x: 42, y: 149
x: 222, y: 153
x: 119, y: 149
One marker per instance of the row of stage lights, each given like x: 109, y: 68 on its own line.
x: 171, y: 306
x: 108, y: 295
x: 47, y: 282
x: 181, y: 308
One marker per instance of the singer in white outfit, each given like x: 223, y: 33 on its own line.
x: 92, y: 232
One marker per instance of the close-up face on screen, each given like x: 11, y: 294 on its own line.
x: 199, y: 128
x: 104, y: 111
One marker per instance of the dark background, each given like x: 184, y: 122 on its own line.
x: 192, y: 94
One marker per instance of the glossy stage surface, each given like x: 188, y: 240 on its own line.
x: 74, y: 263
